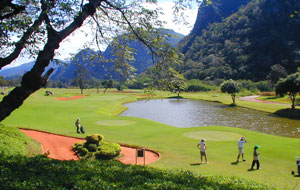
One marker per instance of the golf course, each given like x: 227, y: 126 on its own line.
x: 99, y: 114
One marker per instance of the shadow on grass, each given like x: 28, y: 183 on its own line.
x: 195, y: 164
x: 175, y: 97
x: 252, y: 170
x: 290, y: 113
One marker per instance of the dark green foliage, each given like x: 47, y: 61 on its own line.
x: 108, y: 150
x: 197, y: 88
x: 209, y: 13
x: 43, y: 173
x: 264, y: 86
x: 277, y: 72
x: 290, y: 85
x: 120, y: 87
x: 96, y: 147
x: 92, y: 147
x: 248, y: 43
x: 230, y: 87
x: 94, y: 139
x: 137, y: 85
x: 107, y: 84
x: 248, y: 85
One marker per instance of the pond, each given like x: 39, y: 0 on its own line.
x: 195, y: 113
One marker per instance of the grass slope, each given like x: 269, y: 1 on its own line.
x: 14, y: 142
x: 178, y: 150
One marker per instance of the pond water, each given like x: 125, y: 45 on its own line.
x: 195, y: 113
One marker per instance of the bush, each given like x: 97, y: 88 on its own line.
x: 96, y: 147
x: 94, y: 139
x: 264, y: 86
x: 82, y: 151
x: 197, y: 88
x: 248, y: 85
x: 108, y: 150
x: 92, y: 147
x: 136, y: 85
x: 120, y: 87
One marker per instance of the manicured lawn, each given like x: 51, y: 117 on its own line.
x: 99, y: 114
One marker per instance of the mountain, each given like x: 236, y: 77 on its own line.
x: 18, y: 71
x: 209, y: 13
x: 98, y: 68
x: 94, y: 62
x: 247, y: 43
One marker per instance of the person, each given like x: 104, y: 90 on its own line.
x: 77, y: 124
x: 241, y: 143
x: 202, y: 146
x: 255, y: 158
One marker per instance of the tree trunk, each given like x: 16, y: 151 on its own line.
x: 233, y: 98
x: 293, y: 98
x: 33, y: 79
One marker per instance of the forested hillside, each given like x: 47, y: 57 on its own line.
x: 209, y: 13
x: 246, y: 44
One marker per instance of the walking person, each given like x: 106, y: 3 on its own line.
x: 77, y: 124
x: 202, y: 146
x: 241, y: 143
x: 255, y: 159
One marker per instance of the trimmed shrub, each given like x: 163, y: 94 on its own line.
x: 108, y: 150
x: 96, y: 147
x: 94, y: 139
x: 92, y: 147
x: 82, y: 151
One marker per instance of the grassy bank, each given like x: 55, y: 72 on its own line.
x: 13, y: 142
x: 226, y: 99
x: 98, y: 113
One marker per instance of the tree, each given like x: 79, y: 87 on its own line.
x: 277, y: 72
x: 230, y: 87
x: 107, y: 84
x: 289, y: 85
x: 39, y: 27
x: 81, y: 77
x: 176, y: 82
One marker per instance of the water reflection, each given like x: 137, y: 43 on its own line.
x: 193, y: 113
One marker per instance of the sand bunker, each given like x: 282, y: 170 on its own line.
x: 214, y: 135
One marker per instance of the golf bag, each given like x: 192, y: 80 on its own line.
x: 82, y: 129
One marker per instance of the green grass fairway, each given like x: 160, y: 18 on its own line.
x: 213, y: 135
x: 115, y: 122
x: 99, y: 115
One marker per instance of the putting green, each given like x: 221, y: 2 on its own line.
x: 214, y: 135
x: 115, y: 122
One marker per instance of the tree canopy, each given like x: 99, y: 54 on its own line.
x: 289, y: 85
x: 230, y: 87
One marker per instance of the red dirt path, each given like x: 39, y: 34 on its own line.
x: 253, y: 99
x: 60, y: 148
x: 72, y: 98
